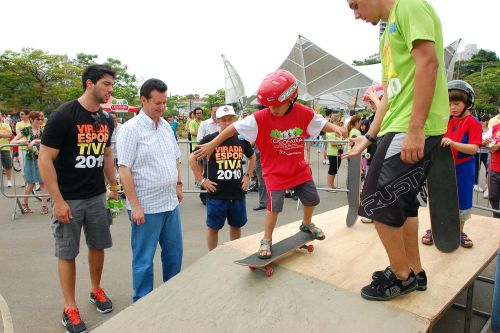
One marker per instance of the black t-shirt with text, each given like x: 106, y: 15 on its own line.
x: 225, y: 166
x: 81, y: 137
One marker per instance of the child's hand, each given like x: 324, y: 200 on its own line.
x: 447, y: 142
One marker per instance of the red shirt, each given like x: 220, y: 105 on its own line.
x: 281, y: 144
x: 495, y: 157
x: 464, y: 130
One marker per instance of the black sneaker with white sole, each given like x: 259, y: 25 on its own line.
x: 421, y: 279
x: 101, y: 300
x: 389, y: 286
x: 72, y: 321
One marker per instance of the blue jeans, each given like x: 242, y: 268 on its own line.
x: 163, y: 228
x: 495, y: 309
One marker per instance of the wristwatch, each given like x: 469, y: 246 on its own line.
x: 370, y: 138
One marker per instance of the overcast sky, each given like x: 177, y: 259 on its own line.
x: 181, y: 41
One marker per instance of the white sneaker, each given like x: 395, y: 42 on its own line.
x: 9, y: 183
x: 366, y: 220
x: 478, y: 188
x: 485, y: 194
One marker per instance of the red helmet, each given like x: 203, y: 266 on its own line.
x: 379, y: 90
x: 278, y: 88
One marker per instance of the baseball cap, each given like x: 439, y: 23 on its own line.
x: 225, y: 110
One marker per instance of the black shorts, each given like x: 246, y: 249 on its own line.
x: 390, y: 192
x: 335, y: 161
x: 5, y: 159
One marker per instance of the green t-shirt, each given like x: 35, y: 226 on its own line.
x: 193, y: 127
x: 409, y: 21
x: 332, y: 149
x: 5, y: 141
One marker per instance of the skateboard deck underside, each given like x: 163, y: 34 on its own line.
x: 353, y: 182
x: 443, y: 201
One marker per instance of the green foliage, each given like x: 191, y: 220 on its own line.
x: 483, y: 73
x: 487, y: 88
x: 366, y: 61
x: 219, y: 98
x: 125, y: 83
x: 35, y: 79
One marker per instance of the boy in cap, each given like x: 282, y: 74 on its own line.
x: 225, y: 180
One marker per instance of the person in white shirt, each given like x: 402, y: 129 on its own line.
x: 208, y: 126
x: 148, y: 160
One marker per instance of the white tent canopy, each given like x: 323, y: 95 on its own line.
x: 323, y: 77
x: 321, y: 74
x: 234, y: 88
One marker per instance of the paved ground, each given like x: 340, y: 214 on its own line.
x: 30, y: 286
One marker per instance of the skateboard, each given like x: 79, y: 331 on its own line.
x: 353, y: 184
x: 279, y: 250
x: 443, y: 201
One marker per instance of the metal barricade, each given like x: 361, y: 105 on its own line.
x: 15, y: 195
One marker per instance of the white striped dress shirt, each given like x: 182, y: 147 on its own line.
x: 151, y: 154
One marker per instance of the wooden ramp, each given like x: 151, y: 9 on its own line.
x: 309, y: 292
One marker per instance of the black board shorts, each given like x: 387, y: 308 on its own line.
x: 390, y: 191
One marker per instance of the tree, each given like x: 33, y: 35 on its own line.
x: 487, y: 88
x: 219, y: 98
x: 125, y: 84
x: 35, y: 79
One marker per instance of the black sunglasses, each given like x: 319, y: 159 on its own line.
x: 96, y: 117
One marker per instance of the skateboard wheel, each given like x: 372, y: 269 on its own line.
x: 269, y: 271
x: 310, y: 248
x: 252, y: 268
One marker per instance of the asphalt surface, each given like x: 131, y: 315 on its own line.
x: 29, y: 282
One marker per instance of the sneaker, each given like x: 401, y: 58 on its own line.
x: 421, y: 279
x: 324, y: 161
x: 9, y: 184
x: 478, y: 188
x: 103, y: 303
x: 72, y: 321
x: 367, y: 220
x: 389, y: 286
x: 485, y: 194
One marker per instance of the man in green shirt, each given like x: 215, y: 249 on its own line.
x: 195, y: 124
x: 410, y: 122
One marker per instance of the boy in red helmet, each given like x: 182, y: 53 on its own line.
x: 279, y: 131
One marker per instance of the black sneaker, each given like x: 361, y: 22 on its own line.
x: 72, y: 321
x: 103, y: 303
x: 389, y: 286
x: 421, y: 279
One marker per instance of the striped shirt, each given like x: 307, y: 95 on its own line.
x: 151, y: 154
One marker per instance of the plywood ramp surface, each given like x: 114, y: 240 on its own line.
x: 348, y: 256
x: 216, y: 295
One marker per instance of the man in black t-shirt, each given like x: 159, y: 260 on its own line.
x: 74, y: 157
x: 225, y: 183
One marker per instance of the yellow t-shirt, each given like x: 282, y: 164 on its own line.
x: 19, y: 126
x: 5, y: 141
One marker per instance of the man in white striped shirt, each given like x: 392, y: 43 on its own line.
x: 148, y: 157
